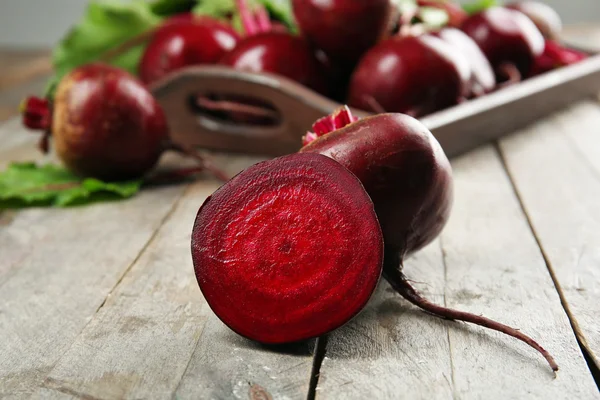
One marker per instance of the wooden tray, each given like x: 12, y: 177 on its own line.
x: 458, y: 129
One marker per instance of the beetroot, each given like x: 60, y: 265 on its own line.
x: 406, y: 173
x: 412, y: 75
x: 265, y: 49
x: 288, y: 250
x: 482, y: 78
x: 509, y: 39
x: 279, y: 53
x: 105, y: 124
x: 183, y: 41
x: 343, y: 29
x: 543, y: 16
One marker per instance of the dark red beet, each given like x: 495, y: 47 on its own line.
x: 543, y: 16
x: 482, y: 75
x: 288, y: 250
x: 269, y: 49
x: 183, y: 42
x: 404, y: 170
x: 279, y: 53
x: 343, y: 29
x: 507, y: 38
x: 104, y: 123
x: 412, y: 75
x: 406, y: 173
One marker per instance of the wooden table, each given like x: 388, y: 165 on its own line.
x: 100, y: 302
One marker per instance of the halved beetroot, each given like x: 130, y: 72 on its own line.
x: 289, y: 249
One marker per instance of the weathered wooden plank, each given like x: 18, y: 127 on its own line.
x: 141, y: 342
x: 489, y: 264
x: 494, y: 267
x: 30, y: 66
x: 555, y: 166
x: 391, y: 350
x: 56, y: 269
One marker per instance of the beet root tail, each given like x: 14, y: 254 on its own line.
x: 402, y: 285
x: 203, y: 161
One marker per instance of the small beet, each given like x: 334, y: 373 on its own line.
x: 279, y: 53
x: 482, y: 78
x: 183, y: 41
x: 409, y: 178
x: 410, y: 75
x: 266, y: 49
x: 543, y: 16
x: 104, y: 124
x: 509, y: 40
x: 343, y: 29
x: 288, y: 250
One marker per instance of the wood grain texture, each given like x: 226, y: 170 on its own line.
x: 56, y: 269
x: 392, y: 350
x: 489, y: 264
x: 142, y: 340
x: 139, y: 343
x: 555, y: 166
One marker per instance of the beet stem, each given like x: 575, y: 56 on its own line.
x: 511, y: 72
x: 254, y: 22
x: 402, y: 285
x: 127, y: 45
x: 204, y: 161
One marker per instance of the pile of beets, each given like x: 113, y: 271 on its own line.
x: 370, y: 54
x: 293, y: 248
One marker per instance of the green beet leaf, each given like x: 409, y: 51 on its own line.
x: 106, y: 24
x: 479, y: 5
x: 27, y: 184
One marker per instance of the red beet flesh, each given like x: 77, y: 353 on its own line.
x: 106, y: 124
x: 279, y: 53
x: 409, y: 179
x: 343, y: 29
x: 288, y: 250
x: 413, y: 75
x: 184, y: 42
x: 506, y: 37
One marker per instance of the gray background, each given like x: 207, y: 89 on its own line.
x: 40, y: 23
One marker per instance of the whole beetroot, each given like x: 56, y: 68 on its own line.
x: 508, y: 38
x: 409, y: 178
x: 343, y: 29
x: 184, y: 41
x: 105, y: 124
x: 410, y: 75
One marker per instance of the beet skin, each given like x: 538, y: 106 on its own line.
x: 106, y: 125
x: 404, y: 170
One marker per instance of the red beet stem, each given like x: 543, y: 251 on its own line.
x: 204, y: 161
x: 511, y: 73
x: 401, y: 284
x: 37, y: 115
x: 337, y: 120
x: 254, y: 22
x: 127, y: 45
